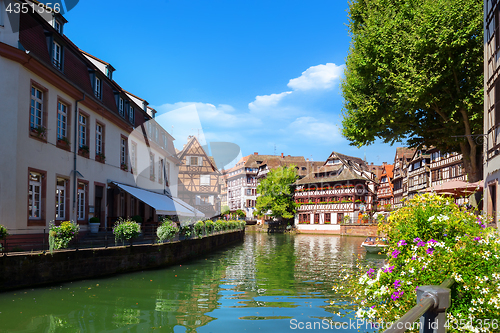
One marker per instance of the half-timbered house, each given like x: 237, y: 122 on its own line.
x: 419, y: 171
x: 400, y: 181
x: 385, y: 195
x: 446, y: 166
x: 336, y: 192
x: 198, y: 183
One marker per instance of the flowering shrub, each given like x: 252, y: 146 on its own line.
x: 60, y: 236
x: 3, y: 232
x: 209, y: 226
x: 199, y: 228
x: 126, y: 229
x: 167, y: 230
x: 185, y: 231
x: 432, y: 239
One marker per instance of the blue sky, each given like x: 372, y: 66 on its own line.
x: 261, y: 74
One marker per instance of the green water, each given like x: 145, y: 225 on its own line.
x: 269, y: 283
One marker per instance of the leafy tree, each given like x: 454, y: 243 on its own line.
x: 415, y: 73
x: 276, y: 193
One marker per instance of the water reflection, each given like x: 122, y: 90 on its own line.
x: 261, y: 284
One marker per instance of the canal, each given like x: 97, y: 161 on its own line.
x: 269, y: 283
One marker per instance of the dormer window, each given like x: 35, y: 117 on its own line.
x: 56, y: 54
x: 131, y: 114
x: 121, y: 107
x: 109, y: 72
x: 97, y: 87
x: 58, y: 26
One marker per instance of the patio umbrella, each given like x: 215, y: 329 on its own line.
x: 455, y: 187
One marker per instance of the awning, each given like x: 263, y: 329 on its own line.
x: 163, y: 204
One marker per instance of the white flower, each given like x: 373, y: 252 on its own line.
x: 431, y: 218
x: 360, y: 313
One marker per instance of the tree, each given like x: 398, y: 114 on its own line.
x: 414, y: 73
x: 276, y: 193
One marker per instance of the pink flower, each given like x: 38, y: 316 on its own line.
x: 389, y: 269
x: 395, y: 253
x: 397, y: 283
x: 402, y: 243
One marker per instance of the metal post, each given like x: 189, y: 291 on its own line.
x: 434, y: 320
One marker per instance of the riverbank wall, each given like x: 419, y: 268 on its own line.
x: 337, y: 229
x: 27, y: 270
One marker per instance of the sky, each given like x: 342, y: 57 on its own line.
x: 264, y: 75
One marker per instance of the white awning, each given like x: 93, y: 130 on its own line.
x: 163, y: 204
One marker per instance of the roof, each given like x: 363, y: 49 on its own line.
x: 404, y: 152
x: 194, y: 141
x: 345, y: 175
x: 389, y: 170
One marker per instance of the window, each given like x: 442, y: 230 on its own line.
x: 121, y: 108
x: 82, y: 130
x: 131, y: 114
x: 156, y: 134
x: 123, y: 151
x: 167, y: 173
x: 99, y: 144
x: 58, y: 26
x: 160, y: 171
x: 60, y: 199
x: 316, y: 218
x: 62, y: 121
x: 327, y: 217
x: 205, y: 180
x: 36, y: 109
x: 97, y: 87
x: 133, y: 156
x: 164, y: 137
x: 249, y: 191
x: 194, y: 161
x: 152, y: 166
x: 35, y: 195
x: 81, y: 201
x: 56, y: 55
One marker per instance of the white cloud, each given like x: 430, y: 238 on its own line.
x: 320, y: 131
x: 318, y: 77
x: 315, y: 78
x: 267, y: 101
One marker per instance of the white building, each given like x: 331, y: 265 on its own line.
x: 74, y: 140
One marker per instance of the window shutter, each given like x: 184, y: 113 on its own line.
x: 197, y: 199
x: 188, y: 160
x: 211, y: 199
x: 200, y: 161
x: 497, y: 101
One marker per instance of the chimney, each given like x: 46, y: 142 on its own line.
x: 281, y: 155
x: 307, y: 160
x: 256, y: 153
x: 372, y: 163
x: 384, y: 163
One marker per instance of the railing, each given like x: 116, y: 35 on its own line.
x: 432, y: 302
x: 30, y: 242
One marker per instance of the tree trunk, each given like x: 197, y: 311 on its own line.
x: 472, y: 161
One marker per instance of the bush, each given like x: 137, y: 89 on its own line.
x: 167, y: 230
x: 137, y: 218
x: 198, y: 228
x: 94, y: 220
x: 126, y: 229
x: 218, y: 225
x: 60, y: 236
x: 3, y: 232
x: 241, y: 214
x: 432, y: 239
x: 209, y: 226
x: 186, y: 231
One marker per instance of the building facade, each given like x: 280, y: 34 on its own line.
x: 77, y: 140
x: 198, y: 183
x: 385, y: 194
x: 491, y: 170
x: 337, y: 192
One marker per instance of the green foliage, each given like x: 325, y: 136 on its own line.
x: 209, y: 226
x: 167, y: 230
x: 3, y: 232
x: 137, y: 218
x: 276, y: 193
x: 186, y: 231
x: 219, y: 225
x: 199, y: 228
x: 432, y: 239
x: 241, y: 214
x: 94, y: 220
x: 60, y: 236
x: 415, y: 72
x: 126, y: 229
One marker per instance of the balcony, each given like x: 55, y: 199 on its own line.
x: 325, y: 192
x: 417, y: 172
x: 338, y: 207
x: 417, y: 187
x: 442, y: 162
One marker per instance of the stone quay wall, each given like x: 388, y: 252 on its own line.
x: 27, y: 270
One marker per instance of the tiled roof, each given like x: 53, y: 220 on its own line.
x: 345, y: 175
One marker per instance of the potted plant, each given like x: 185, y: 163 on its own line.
x: 94, y: 224
x: 124, y: 166
x: 167, y: 230
x: 126, y: 230
x: 138, y: 219
x: 60, y: 236
x: 3, y: 234
x: 64, y: 142
x: 84, y: 151
x: 39, y: 131
x: 100, y: 157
